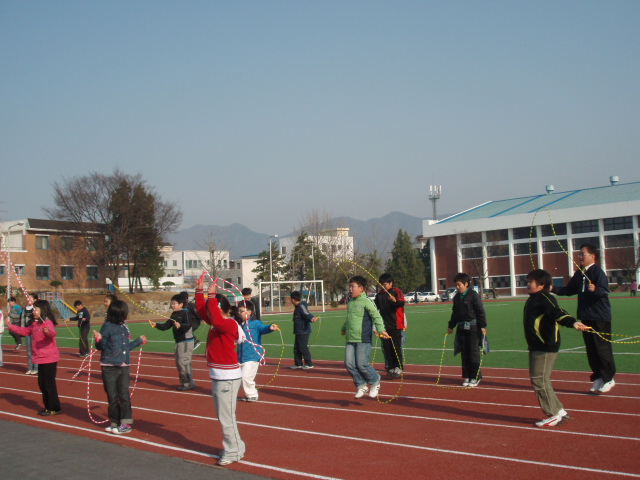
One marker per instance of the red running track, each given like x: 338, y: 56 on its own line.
x: 308, y: 425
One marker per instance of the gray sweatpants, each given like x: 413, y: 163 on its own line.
x: 225, y: 396
x: 184, y: 354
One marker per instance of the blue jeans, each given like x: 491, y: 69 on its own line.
x: 356, y: 359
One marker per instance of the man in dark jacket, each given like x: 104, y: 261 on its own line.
x: 594, y: 310
x: 302, y: 319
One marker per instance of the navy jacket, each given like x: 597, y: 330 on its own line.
x: 592, y: 306
x: 302, y: 319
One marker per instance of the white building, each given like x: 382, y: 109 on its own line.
x: 334, y: 243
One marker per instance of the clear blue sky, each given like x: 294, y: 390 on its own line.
x: 259, y: 111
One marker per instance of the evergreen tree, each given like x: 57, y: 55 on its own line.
x: 301, y: 264
x: 405, y: 265
x: 264, y: 263
x: 425, y: 256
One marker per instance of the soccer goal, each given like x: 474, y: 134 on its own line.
x: 308, y: 288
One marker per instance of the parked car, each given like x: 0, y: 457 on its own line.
x: 431, y: 296
x: 448, y: 294
x: 415, y: 297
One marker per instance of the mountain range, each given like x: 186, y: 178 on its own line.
x: 373, y: 234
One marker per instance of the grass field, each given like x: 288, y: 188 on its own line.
x: 426, y: 334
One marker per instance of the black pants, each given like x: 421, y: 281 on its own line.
x: 84, y: 340
x: 301, y: 350
x: 47, y: 383
x: 392, y: 348
x: 116, y: 386
x: 470, y: 353
x: 599, y: 351
x: 16, y: 337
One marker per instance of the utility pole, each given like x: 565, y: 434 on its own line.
x: 434, y: 195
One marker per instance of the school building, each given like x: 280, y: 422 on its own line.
x: 499, y: 242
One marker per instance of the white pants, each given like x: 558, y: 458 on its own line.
x: 225, y: 393
x: 249, y: 372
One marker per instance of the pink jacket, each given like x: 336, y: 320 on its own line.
x: 43, y: 345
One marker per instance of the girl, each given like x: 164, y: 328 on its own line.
x: 108, y: 298
x: 114, y: 341
x: 44, y: 353
x: 250, y: 351
x: 224, y: 368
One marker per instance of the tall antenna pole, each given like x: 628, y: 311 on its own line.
x: 434, y: 195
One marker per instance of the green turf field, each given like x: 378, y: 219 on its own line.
x: 426, y: 333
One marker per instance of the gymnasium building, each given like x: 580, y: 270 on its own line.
x: 499, y: 242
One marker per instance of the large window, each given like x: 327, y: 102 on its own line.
x: 193, y: 264
x: 521, y: 281
x: 472, y: 252
x: 595, y: 241
x: 586, y: 226
x: 617, y: 241
x: 498, y: 251
x: 92, y: 272
x: 500, y: 282
x: 525, y: 232
x: 525, y: 248
x: 618, y: 223
x: 42, y: 272
x: 19, y: 269
x: 92, y: 244
x: 467, y: 238
x: 497, y: 235
x: 2, y: 270
x: 550, y: 246
x: 66, y: 272
x: 42, y: 242
x: 66, y: 243
x: 554, y: 229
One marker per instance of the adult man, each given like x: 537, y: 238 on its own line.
x: 246, y: 294
x: 594, y: 310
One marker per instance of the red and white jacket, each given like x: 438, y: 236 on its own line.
x: 222, y: 358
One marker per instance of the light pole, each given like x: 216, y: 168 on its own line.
x: 271, y: 271
x: 313, y: 266
x: 9, y: 267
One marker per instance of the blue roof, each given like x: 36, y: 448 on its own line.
x: 585, y: 197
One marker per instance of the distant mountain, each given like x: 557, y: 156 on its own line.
x: 375, y: 233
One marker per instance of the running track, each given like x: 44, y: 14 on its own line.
x: 308, y: 425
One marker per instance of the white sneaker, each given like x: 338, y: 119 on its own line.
x: 466, y: 382
x: 549, y: 422
x: 474, y: 383
x: 597, y: 385
x: 111, y: 429
x: 373, y: 393
x: 361, y: 391
x: 563, y: 414
x: 607, y: 386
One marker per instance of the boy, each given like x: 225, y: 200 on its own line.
x: 196, y: 321
x: 180, y: 321
x: 362, y: 316
x: 83, y: 317
x: 15, y: 314
x: 246, y: 294
x: 302, y: 319
x: 390, y: 302
x: 541, y: 318
x: 468, y: 314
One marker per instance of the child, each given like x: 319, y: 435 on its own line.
x: 45, y: 353
x: 15, y: 315
x: 390, y: 302
x: 468, y: 314
x: 302, y: 320
x: 83, y: 317
x: 180, y: 321
x: 196, y: 321
x: 224, y: 368
x: 1, y: 332
x: 27, y: 319
x: 108, y: 298
x: 362, y: 316
x: 250, y: 352
x: 541, y: 318
x: 114, y: 341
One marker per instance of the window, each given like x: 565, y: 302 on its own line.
x: 443, y: 283
x: 617, y: 277
x: 66, y: 243
x: 284, y: 250
x: 595, y: 241
x: 500, y: 282
x: 472, y: 252
x: 617, y: 241
x: 66, y: 272
x: 2, y: 272
x: 175, y: 263
x: 554, y: 229
x: 498, y: 235
x: 165, y: 264
x: 586, y: 226
x: 498, y: 251
x: 19, y: 269
x: 42, y: 242
x: 525, y: 232
x: 618, y: 223
x: 552, y: 246
x: 193, y: 264
x: 467, y: 238
x: 525, y: 248
x: 92, y: 272
x: 92, y: 244
x: 521, y: 281
x: 42, y: 272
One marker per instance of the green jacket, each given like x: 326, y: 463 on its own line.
x: 362, y: 315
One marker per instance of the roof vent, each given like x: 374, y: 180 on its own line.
x: 614, y: 180
x: 550, y: 189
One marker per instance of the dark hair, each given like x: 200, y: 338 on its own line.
x: 179, y: 298
x: 111, y: 297
x: 248, y: 304
x: 34, y: 297
x: 223, y: 302
x: 297, y: 296
x: 13, y: 299
x: 45, y: 310
x: 246, y: 291
x: 386, y: 278
x: 462, y: 278
x: 541, y: 277
x: 117, y: 312
x: 359, y: 280
x: 234, y: 311
x: 77, y: 302
x: 591, y: 249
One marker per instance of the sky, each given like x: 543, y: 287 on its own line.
x: 258, y: 112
